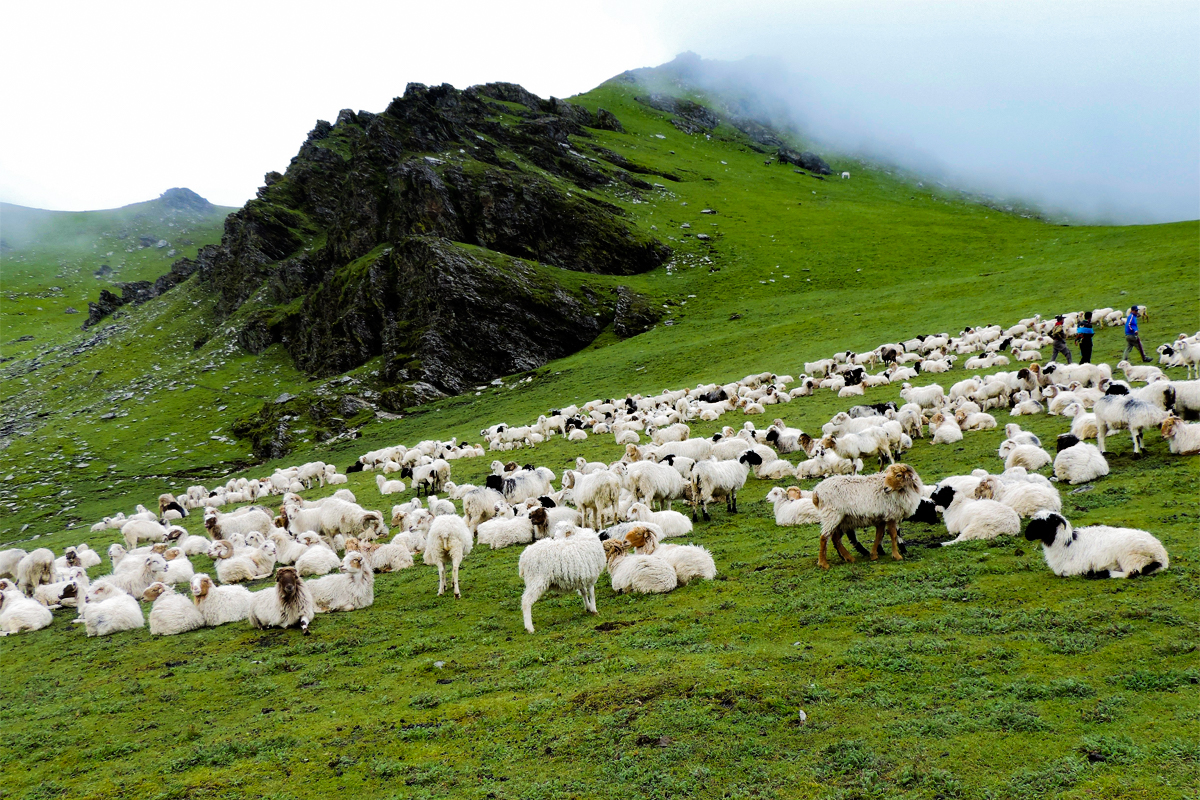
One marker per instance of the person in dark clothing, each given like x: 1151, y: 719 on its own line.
x: 1059, y: 337
x: 1132, y: 337
x: 1083, y: 337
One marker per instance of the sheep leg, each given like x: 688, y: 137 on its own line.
x: 853, y: 537
x: 894, y: 530
x: 590, y: 599
x: 733, y: 495
x: 821, y: 560
x: 457, y: 593
x: 533, y: 593
x: 878, y: 541
x: 841, y: 548
x: 441, y: 579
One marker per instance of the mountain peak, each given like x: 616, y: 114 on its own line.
x: 184, y: 199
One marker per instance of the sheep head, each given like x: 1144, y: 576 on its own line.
x: 987, y: 488
x: 641, y: 537
x: 901, y: 478
x: 220, y: 549
x: 538, y: 517
x: 1045, y: 527
x: 794, y: 493
x: 154, y: 591
x: 1169, y: 426
x: 614, y: 550
x: 287, y: 583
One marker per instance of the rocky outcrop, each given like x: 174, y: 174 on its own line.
x: 809, y: 161
x: 634, y: 314
x: 689, y: 117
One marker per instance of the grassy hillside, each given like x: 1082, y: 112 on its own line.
x: 959, y: 672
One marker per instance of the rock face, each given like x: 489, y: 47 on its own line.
x: 809, y: 161
x: 430, y: 234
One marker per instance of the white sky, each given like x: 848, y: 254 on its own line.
x: 1089, y: 106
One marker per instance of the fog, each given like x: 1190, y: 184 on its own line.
x: 1085, y: 109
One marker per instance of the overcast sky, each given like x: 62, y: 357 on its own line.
x: 1090, y: 108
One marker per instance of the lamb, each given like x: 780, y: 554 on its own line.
x: 973, y: 519
x: 219, y: 604
x: 846, y: 503
x: 1078, y: 462
x: 1023, y: 496
x: 714, y: 480
x: 1182, y: 438
x: 171, y: 613
x: 35, y: 569
x: 1027, y: 456
x: 690, y: 562
x: 352, y: 589
x: 641, y: 573
x: 1097, y: 551
x: 672, y: 523
x: 388, y: 487
x: 108, y: 609
x: 19, y: 613
x: 506, y: 528
x: 793, y: 507
x: 1118, y: 411
x: 450, y: 540
x: 570, y: 563
x: 286, y: 604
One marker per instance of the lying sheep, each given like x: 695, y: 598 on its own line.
x: 108, y: 609
x: 19, y: 613
x: 171, y: 613
x: 690, y: 562
x: 505, y: 528
x: 1078, y: 462
x: 1024, y: 497
x: 219, y: 604
x: 1097, y: 551
x: 641, y: 573
x: 570, y: 563
x: 288, y: 603
x: 35, y: 569
x: 353, y: 588
x: 970, y: 519
x: 793, y: 507
x: 1183, y: 438
x: 672, y: 523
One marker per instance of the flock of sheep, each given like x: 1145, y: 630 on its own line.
x: 616, y: 517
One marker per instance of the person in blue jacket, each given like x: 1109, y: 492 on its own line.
x: 1132, y: 338
x: 1083, y: 337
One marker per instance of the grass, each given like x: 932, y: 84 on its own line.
x: 959, y: 672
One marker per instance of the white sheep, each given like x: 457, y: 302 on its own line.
x: 793, y: 507
x: 1097, y: 551
x: 943, y: 429
x: 179, y: 569
x: 690, y: 561
x: 288, y: 603
x: 641, y: 573
x: 69, y: 590
x: 35, y: 569
x: 449, y: 540
x: 1079, y: 462
x: 317, y: 559
x: 849, y: 502
x: 505, y: 528
x: 19, y: 613
x: 972, y: 519
x: 9, y: 559
x: 1083, y: 423
x: 352, y: 588
x: 930, y: 396
x: 480, y: 504
x: 108, y: 609
x: 596, y: 495
x: 388, y: 487
x: 1182, y: 438
x: 236, y: 565
x: 219, y: 604
x: 572, y: 562
x: 1025, y: 497
x: 141, y: 571
x: 390, y: 557
x: 672, y: 523
x: 717, y: 480
x: 1116, y: 410
x: 171, y: 613
x: 1028, y: 456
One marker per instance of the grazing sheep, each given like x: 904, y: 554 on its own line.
x: 219, y: 604
x: 849, y: 502
x: 793, y: 507
x: 449, y: 540
x: 171, y: 613
x: 570, y: 563
x: 479, y: 505
x: 690, y: 562
x: 35, y: 569
x: 672, y: 523
x: 641, y: 573
x: 1183, y: 438
x: 285, y: 605
x: 1097, y: 551
x: 1078, y: 462
x: 353, y: 588
x: 973, y: 519
x: 596, y: 495
x: 9, y: 559
x: 108, y: 609
x: 19, y: 613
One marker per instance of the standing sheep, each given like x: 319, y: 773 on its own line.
x: 849, y: 502
x: 449, y: 540
x: 35, y: 569
x: 571, y: 563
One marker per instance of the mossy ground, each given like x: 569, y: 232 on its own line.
x: 959, y: 672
